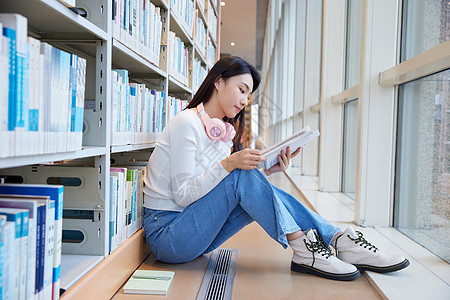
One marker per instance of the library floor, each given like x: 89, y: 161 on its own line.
x: 262, y: 270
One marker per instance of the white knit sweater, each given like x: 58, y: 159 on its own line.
x: 185, y: 164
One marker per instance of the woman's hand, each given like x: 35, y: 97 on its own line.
x: 283, y: 161
x: 246, y: 159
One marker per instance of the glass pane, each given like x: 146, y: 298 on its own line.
x: 349, y: 148
x: 422, y: 188
x: 426, y: 24
x: 354, y: 9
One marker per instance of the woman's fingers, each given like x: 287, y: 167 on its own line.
x: 296, y: 152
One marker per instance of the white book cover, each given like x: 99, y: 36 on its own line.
x: 9, y: 262
x: 121, y: 207
x: 67, y: 103
x: 123, y: 212
x: 114, y: 96
x: 54, y: 99
x: 16, y: 216
x: 25, y: 202
x: 49, y: 248
x: 299, y: 139
x: 141, y: 107
x: 144, y: 113
x: 46, y: 52
x: 112, y: 211
x: 133, y: 19
x: 142, y: 28
x: 152, y: 109
x: 34, y: 95
x: 80, y: 97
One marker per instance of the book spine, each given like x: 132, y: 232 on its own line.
x: 25, y: 259
x: 9, y: 266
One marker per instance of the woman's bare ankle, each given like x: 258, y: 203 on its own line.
x: 294, y: 235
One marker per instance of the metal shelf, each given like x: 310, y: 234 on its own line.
x: 73, y: 267
x: 87, y: 151
x: 132, y: 147
x: 177, y: 87
x: 125, y: 58
x: 202, y: 12
x: 212, y: 38
x: 199, y: 54
x: 47, y: 17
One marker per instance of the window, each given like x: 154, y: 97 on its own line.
x: 349, y: 153
x: 422, y: 186
x: 425, y: 24
x: 422, y: 193
x: 354, y: 9
x: 352, y: 66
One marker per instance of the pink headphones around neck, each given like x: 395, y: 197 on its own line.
x: 216, y: 129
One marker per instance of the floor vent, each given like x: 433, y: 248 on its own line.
x: 217, y: 283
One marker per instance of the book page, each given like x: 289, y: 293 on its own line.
x: 280, y: 145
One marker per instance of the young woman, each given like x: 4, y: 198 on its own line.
x: 197, y: 195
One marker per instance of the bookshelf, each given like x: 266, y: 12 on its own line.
x: 96, y: 39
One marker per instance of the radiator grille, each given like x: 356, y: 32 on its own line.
x: 218, y: 281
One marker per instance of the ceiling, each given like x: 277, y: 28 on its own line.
x: 243, y: 22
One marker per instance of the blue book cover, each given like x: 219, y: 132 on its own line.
x: 149, y: 112
x: 73, y: 90
x: 12, y: 101
x: 132, y: 99
x: 2, y: 254
x: 40, y: 244
x: 163, y: 102
x: 153, y: 92
x: 31, y: 204
x: 55, y: 192
x: 80, y: 91
x: 25, y: 90
x: 125, y: 80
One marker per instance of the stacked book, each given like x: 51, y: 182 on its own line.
x: 211, y: 55
x: 212, y: 21
x: 137, y: 112
x: 178, y: 59
x: 200, y: 35
x: 41, y: 93
x: 184, y: 13
x: 138, y: 25
x: 126, y: 203
x: 198, y: 75
x: 30, y: 240
x: 173, y: 107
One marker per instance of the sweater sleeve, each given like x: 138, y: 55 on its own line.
x: 186, y: 187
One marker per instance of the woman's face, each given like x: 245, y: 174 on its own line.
x: 233, y: 94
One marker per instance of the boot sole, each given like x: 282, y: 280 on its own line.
x: 307, y: 269
x: 387, y: 269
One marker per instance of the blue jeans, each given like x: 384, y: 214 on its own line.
x: 239, y: 199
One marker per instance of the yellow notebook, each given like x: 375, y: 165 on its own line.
x: 149, y: 282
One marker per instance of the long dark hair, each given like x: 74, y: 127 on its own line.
x: 225, y: 68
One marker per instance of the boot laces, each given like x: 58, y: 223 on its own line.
x: 363, y: 242
x: 318, y: 247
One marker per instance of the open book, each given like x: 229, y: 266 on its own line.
x: 299, y: 139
